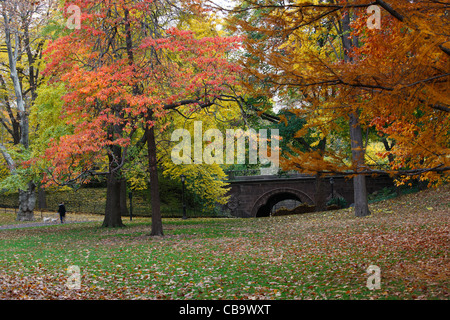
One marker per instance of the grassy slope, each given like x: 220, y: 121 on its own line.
x: 311, y: 256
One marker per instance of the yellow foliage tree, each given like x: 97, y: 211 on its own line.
x: 329, y: 60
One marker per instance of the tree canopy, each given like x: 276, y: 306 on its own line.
x: 93, y: 88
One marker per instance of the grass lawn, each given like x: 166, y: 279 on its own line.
x: 309, y: 256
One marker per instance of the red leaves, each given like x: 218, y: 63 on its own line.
x: 116, y: 80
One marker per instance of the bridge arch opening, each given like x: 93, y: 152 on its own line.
x: 264, y: 205
x: 274, y: 201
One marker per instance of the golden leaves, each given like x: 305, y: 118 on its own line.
x: 398, y: 76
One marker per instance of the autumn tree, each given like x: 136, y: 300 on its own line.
x: 20, y: 77
x: 339, y: 66
x: 124, y: 70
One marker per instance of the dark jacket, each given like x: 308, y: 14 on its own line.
x: 62, y: 210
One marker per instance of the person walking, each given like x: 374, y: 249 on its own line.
x: 62, y: 212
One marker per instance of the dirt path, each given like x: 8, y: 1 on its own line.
x: 36, y: 224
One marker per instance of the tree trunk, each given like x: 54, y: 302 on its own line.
x: 12, y: 59
x: 320, y: 194
x: 157, y: 227
x: 113, y: 214
x: 116, y: 184
x: 27, y: 198
x: 27, y: 202
x: 389, y: 148
x: 359, y: 181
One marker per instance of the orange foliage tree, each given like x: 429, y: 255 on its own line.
x: 327, y: 61
x: 124, y: 70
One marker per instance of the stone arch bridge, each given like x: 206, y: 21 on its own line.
x: 254, y: 196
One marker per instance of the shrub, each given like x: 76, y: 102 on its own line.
x: 338, y: 202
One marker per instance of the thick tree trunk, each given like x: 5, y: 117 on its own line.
x: 359, y: 181
x: 113, y: 214
x: 12, y: 59
x: 27, y: 202
x: 360, y: 194
x: 157, y: 227
x: 320, y: 194
x: 116, y: 184
x: 27, y: 198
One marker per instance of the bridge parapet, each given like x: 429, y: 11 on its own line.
x: 255, y: 174
x: 248, y: 194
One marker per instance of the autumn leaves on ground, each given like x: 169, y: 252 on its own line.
x: 310, y: 256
